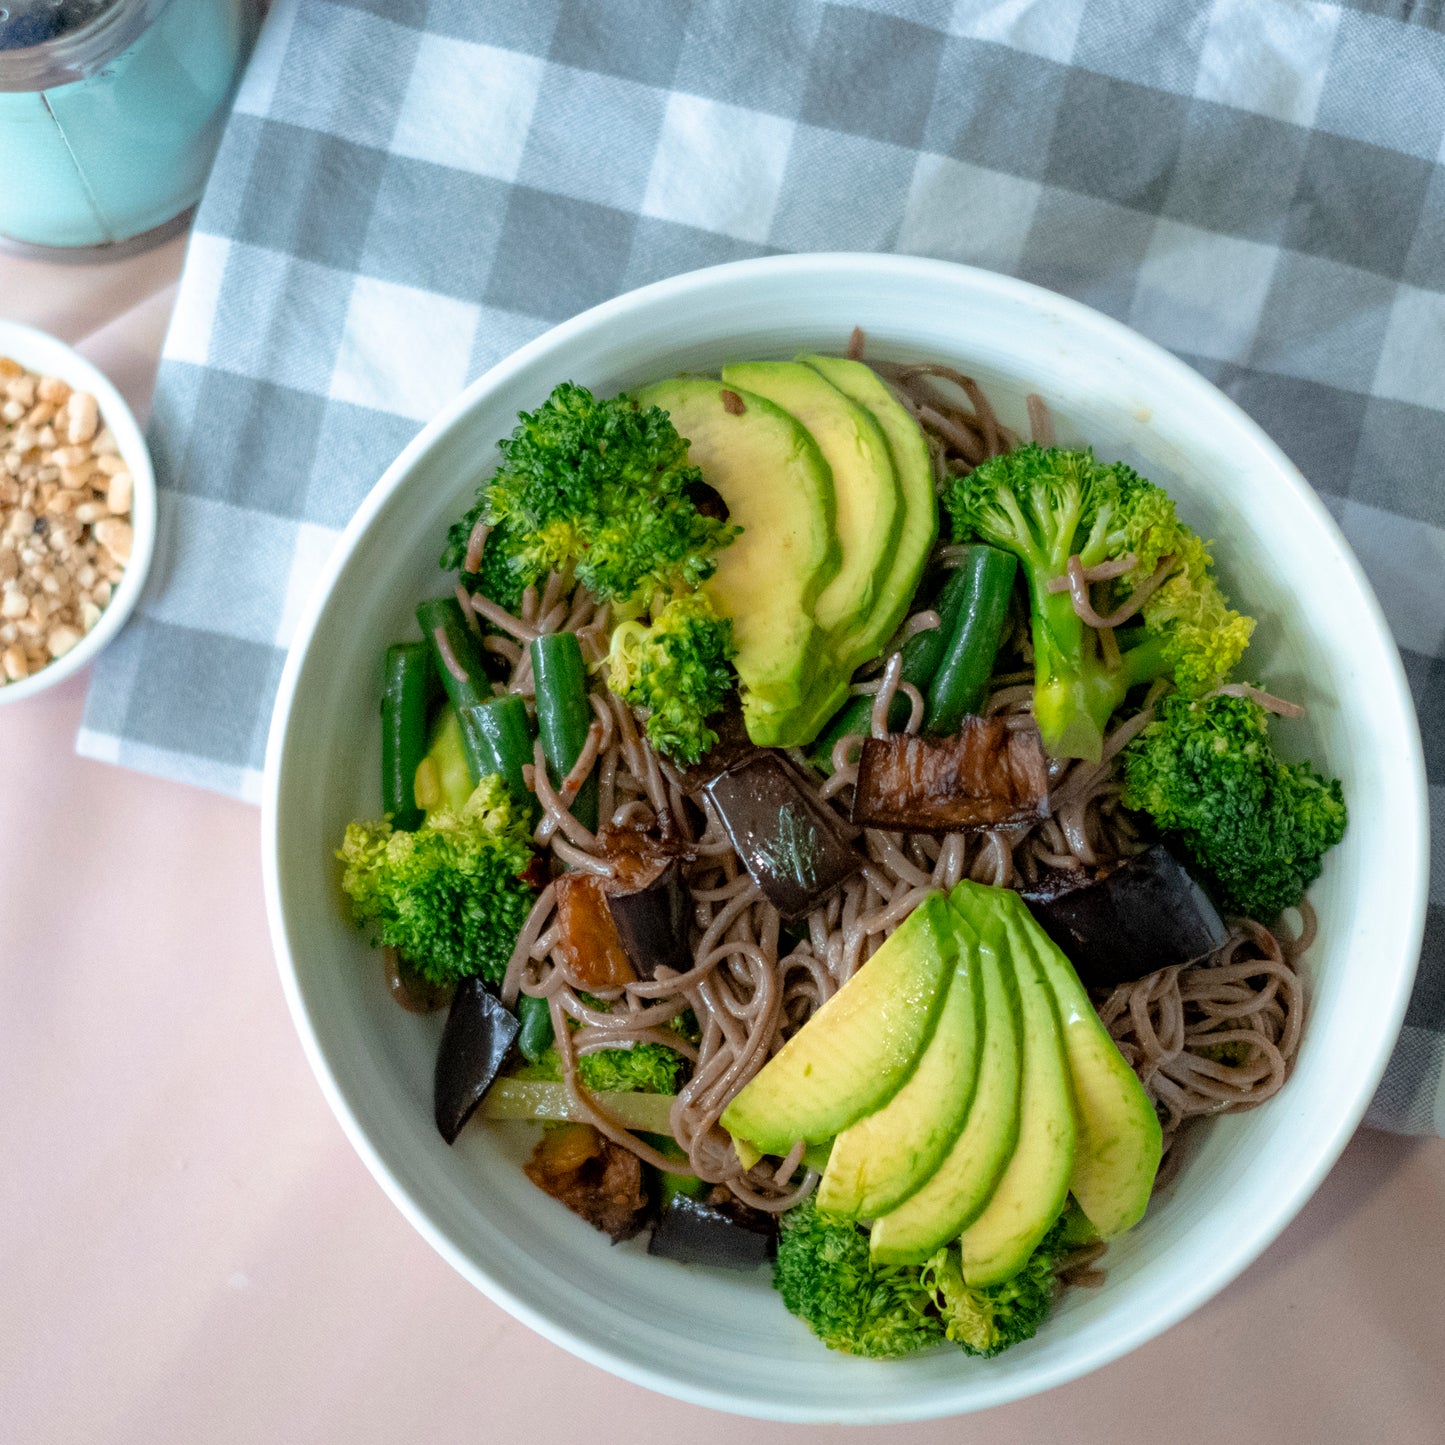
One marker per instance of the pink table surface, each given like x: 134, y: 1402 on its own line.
x: 189, y: 1250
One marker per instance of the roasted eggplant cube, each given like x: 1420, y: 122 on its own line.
x: 587, y: 935
x: 988, y: 775
x: 1147, y: 913
x: 652, y: 921
x: 695, y: 1231
x: 478, y: 1036
x: 794, y: 849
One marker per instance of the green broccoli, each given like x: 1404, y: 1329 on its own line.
x: 986, y: 1321
x: 642, y: 1069
x: 826, y: 1278
x: 603, y: 485
x: 1046, y: 505
x: 1207, y: 774
x: 676, y: 669
x: 450, y: 897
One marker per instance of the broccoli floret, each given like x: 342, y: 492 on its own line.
x: 677, y: 670
x: 1045, y: 505
x: 986, y: 1320
x: 642, y: 1069
x: 826, y: 1278
x: 1207, y: 774
x: 449, y: 897
x: 603, y: 485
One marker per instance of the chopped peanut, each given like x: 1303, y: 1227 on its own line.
x: 65, y: 518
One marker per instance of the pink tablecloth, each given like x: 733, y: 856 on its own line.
x: 190, y: 1252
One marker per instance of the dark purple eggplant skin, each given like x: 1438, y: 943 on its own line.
x: 478, y: 1036
x: 794, y: 849
x: 652, y: 922
x: 693, y: 1231
x: 1148, y: 913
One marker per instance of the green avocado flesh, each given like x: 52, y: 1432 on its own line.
x: 869, y: 511
x: 883, y: 1158
x: 1119, y: 1144
x: 960, y: 1188
x: 778, y: 489
x: 918, y: 508
x: 449, y: 758
x: 858, y: 1050
x: 1033, y: 1187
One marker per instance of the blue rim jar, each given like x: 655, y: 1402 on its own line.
x: 110, y: 115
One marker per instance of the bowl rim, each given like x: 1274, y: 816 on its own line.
x: 39, y: 351
x: 1412, y: 857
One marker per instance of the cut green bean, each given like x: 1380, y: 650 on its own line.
x: 405, y: 694
x: 536, y: 1033
x: 458, y: 659
x: 962, y: 679
x: 564, y: 715
x: 922, y: 654
x: 502, y: 740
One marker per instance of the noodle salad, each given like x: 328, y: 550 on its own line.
x: 835, y: 822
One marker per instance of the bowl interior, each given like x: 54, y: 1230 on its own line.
x: 40, y: 352
x: 725, y: 1340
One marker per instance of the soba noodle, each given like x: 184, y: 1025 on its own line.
x: 1214, y: 1036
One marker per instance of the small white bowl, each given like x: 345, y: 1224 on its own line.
x: 40, y: 352
x: 725, y: 1340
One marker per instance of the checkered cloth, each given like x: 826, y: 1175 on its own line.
x: 409, y: 190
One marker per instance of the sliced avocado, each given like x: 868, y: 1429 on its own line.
x: 961, y: 1186
x: 447, y: 757
x: 888, y: 1154
x: 1032, y: 1190
x: 857, y: 1051
x: 913, y: 467
x: 869, y: 503
x: 778, y: 489
x: 1119, y: 1141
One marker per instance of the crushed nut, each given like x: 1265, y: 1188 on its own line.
x: 65, y: 528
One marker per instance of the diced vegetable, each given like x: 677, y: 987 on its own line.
x: 987, y: 776
x: 595, y: 1178
x: 1145, y: 914
x: 652, y: 920
x: 564, y: 715
x: 587, y: 936
x: 405, y: 693
x: 723, y: 1235
x: 793, y: 848
x: 478, y: 1036
x: 536, y: 1034
x: 958, y: 687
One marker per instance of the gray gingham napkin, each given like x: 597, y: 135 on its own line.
x: 408, y: 190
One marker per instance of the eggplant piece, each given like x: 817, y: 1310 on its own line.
x: 478, y: 1036
x: 988, y: 775
x: 652, y: 920
x: 595, y: 1178
x: 587, y: 935
x: 722, y: 1233
x: 1145, y: 914
x: 792, y: 845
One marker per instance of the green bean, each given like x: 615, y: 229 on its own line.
x: 962, y: 679
x: 922, y: 654
x: 501, y: 737
x: 564, y: 715
x: 405, y: 693
x: 536, y: 1035
x: 459, y: 664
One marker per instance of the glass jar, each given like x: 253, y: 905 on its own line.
x: 110, y: 115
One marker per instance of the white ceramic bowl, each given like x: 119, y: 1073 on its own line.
x: 40, y: 352
x: 715, y: 1338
